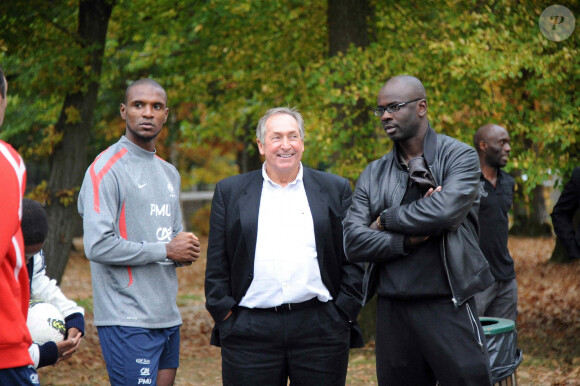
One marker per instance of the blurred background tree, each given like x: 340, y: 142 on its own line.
x: 225, y: 63
x: 55, y: 54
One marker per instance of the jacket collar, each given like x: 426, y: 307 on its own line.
x: 318, y: 203
x: 252, y: 192
x: 429, y: 146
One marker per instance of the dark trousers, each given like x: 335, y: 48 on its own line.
x: 422, y: 342
x: 309, y: 346
x: 25, y: 375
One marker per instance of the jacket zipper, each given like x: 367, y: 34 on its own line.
x: 444, y: 255
x: 453, y: 297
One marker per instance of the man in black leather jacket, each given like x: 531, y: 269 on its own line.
x: 563, y: 215
x: 414, y: 219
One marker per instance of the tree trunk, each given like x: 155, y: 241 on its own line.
x: 532, y: 222
x: 69, y: 160
x: 539, y: 213
x: 248, y: 158
x: 348, y: 23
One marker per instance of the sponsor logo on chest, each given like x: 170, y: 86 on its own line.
x: 164, y: 234
x: 160, y: 210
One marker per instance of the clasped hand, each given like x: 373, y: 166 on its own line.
x: 413, y: 240
x: 184, y: 248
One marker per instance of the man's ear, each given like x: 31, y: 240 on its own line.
x: 422, y: 107
x: 482, y: 145
x: 260, y: 146
x: 123, y: 111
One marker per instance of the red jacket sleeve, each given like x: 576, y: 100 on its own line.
x: 14, y: 288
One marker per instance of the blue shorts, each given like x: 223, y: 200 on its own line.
x: 134, y: 355
x: 25, y: 375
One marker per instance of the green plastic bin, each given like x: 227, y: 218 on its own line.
x: 504, y: 356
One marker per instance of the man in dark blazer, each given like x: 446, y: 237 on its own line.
x: 283, y: 296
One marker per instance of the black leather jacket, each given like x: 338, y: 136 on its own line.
x: 451, y: 212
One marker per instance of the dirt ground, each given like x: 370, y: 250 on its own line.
x: 548, y: 325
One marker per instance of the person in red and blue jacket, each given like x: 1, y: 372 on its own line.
x: 15, y: 362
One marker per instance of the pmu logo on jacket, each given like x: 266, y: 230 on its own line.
x: 163, y: 210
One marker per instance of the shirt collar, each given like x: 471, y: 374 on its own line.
x: 136, y: 149
x: 298, y: 178
x: 499, y: 175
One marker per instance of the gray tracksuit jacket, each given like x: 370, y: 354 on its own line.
x: 129, y: 202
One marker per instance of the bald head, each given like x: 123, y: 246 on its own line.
x: 492, y: 143
x: 485, y: 132
x: 408, y: 86
x: 145, y: 81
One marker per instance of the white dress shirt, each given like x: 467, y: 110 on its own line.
x: 285, y: 265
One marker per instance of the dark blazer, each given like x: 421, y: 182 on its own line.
x: 232, y: 244
x: 563, y: 214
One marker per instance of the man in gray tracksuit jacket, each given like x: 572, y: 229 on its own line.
x: 133, y: 237
x: 413, y: 218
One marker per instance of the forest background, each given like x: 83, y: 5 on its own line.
x: 224, y: 63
